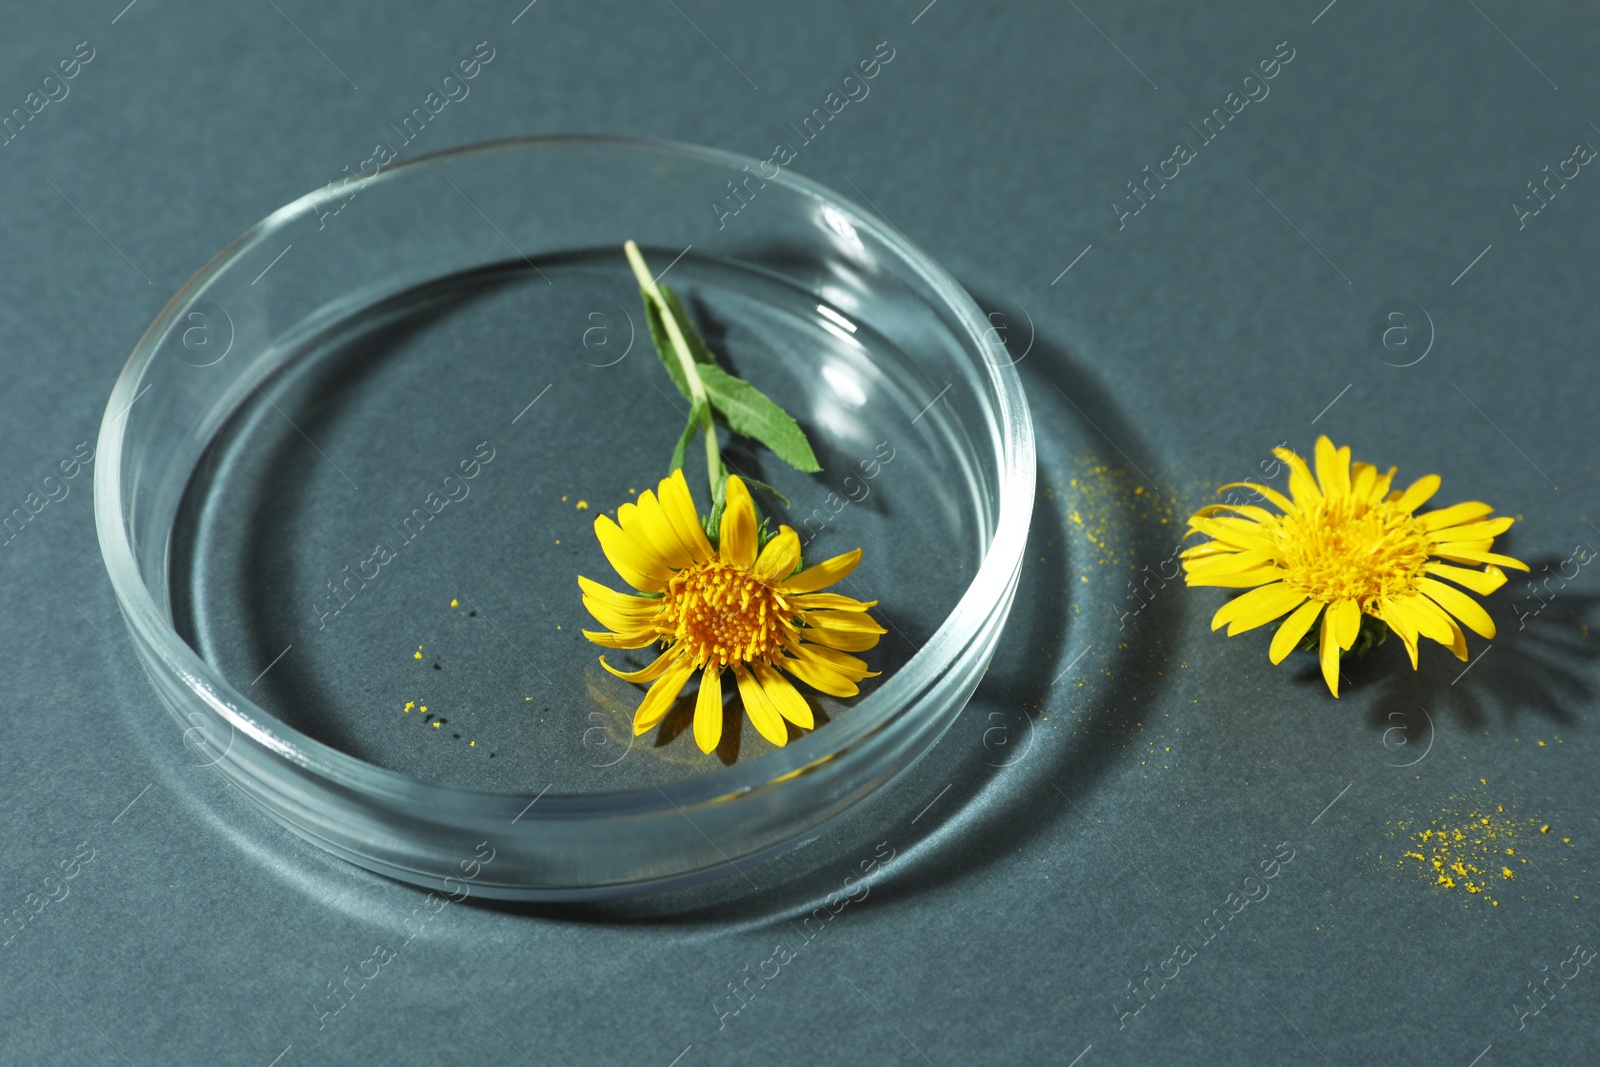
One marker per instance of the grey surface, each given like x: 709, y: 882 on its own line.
x: 1051, y: 847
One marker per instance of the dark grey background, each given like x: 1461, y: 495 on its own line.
x: 1052, y: 846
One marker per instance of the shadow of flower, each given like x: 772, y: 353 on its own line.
x: 1538, y: 664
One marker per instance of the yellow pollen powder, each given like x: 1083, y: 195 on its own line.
x: 1462, y: 849
x: 1103, y: 504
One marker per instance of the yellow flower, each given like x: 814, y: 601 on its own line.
x: 1346, y: 543
x: 731, y: 609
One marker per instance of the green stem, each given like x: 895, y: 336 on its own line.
x: 680, y: 347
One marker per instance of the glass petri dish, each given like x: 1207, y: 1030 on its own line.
x: 348, y: 477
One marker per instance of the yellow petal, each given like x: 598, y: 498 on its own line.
x: 1402, y: 625
x: 843, y: 640
x: 1458, y: 604
x: 1328, y: 655
x: 1380, y: 488
x: 1265, y: 610
x: 852, y: 667
x: 1346, y: 618
x: 1454, y: 515
x: 658, y: 701
x: 1481, y: 582
x: 645, y: 534
x: 1481, y: 545
x: 1207, y: 549
x: 638, y: 615
x: 1294, y: 628
x: 678, y: 506
x: 1242, y: 580
x: 823, y: 574
x: 1333, y: 468
x: 1476, y: 531
x: 648, y: 519
x: 617, y: 621
x: 820, y: 677
x: 1418, y: 493
x: 1222, y: 527
x: 1459, y: 645
x: 758, y: 707
x: 1256, y: 608
x: 848, y: 621
x: 625, y: 603
x: 617, y: 611
x: 625, y: 639
x: 708, y: 709
x: 1232, y: 563
x: 1362, y: 478
x: 1431, y: 621
x: 1340, y: 626
x: 1278, y: 499
x: 779, y: 559
x: 1302, y: 486
x: 737, y: 545
x: 1239, y: 532
x: 656, y: 669
x: 638, y: 564
x: 784, y: 696
x: 1251, y: 512
x: 829, y: 601
x: 1476, y: 552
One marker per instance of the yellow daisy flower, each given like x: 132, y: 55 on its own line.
x: 1346, y: 543
x: 731, y: 609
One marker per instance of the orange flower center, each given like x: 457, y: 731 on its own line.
x: 721, y: 613
x: 1348, y: 549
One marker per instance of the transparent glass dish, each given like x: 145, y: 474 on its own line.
x: 348, y: 477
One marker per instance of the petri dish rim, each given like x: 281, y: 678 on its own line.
x: 1010, y: 427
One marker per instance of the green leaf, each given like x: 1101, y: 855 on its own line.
x: 663, y: 340
x: 686, y: 436
x: 751, y: 412
x: 736, y: 403
x: 663, y: 343
x: 697, y: 344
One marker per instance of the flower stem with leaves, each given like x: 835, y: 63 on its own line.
x: 715, y: 396
x: 660, y: 313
